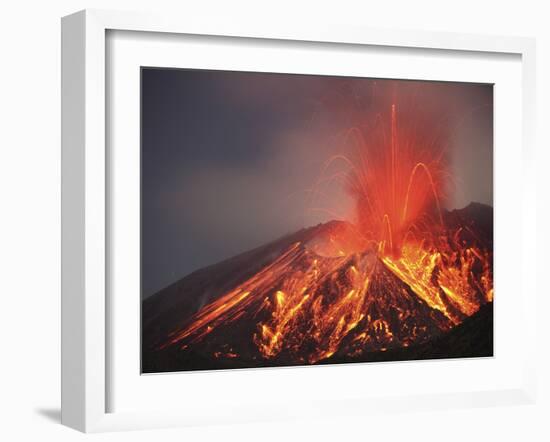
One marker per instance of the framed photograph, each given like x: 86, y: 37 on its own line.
x: 304, y: 219
x: 265, y: 222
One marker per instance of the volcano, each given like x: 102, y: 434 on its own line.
x: 319, y: 296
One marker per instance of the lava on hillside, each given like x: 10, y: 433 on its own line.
x: 403, y: 274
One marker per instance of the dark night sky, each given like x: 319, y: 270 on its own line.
x: 228, y: 157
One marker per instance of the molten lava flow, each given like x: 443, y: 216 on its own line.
x: 308, y: 307
x: 455, y: 281
x: 400, y: 275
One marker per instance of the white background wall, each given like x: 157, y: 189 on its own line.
x: 30, y: 219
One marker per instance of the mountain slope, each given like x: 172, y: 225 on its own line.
x: 302, y: 300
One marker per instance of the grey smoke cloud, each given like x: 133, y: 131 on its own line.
x: 229, y: 159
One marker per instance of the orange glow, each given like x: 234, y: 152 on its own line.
x: 395, y: 277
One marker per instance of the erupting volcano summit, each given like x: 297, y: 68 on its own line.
x: 404, y: 279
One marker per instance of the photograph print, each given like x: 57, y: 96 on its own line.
x: 296, y: 220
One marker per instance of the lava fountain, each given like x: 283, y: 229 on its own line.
x: 396, y: 177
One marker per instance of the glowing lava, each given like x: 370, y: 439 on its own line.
x: 400, y: 275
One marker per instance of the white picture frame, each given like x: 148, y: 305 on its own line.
x: 86, y: 205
